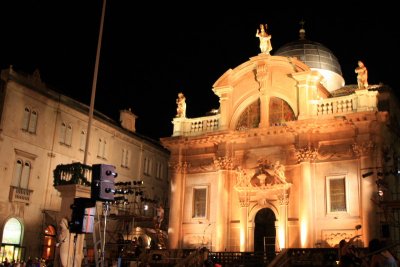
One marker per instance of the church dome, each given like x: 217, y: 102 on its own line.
x: 317, y: 57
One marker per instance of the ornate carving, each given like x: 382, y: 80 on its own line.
x: 363, y: 149
x: 306, y: 154
x: 223, y: 163
x: 283, y: 199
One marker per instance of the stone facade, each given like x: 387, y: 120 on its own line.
x: 283, y: 163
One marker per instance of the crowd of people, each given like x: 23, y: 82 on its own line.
x: 36, y: 262
x: 378, y: 254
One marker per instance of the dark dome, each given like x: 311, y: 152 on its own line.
x: 313, y: 54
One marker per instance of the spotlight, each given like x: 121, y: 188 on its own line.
x: 380, y: 193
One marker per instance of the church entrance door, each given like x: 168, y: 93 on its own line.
x: 264, y: 231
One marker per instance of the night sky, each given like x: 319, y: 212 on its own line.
x: 152, y: 51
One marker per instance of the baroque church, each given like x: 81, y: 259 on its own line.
x: 292, y: 158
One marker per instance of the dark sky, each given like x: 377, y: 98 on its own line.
x: 152, y: 51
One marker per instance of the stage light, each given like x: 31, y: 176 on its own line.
x: 380, y: 193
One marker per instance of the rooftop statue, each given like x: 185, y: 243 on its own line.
x: 181, y: 106
x: 265, y: 39
x: 362, y: 75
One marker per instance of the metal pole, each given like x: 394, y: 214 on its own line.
x: 94, y: 83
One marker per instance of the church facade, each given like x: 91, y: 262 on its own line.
x: 293, y: 158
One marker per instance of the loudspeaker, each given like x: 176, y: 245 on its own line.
x: 82, y: 218
x: 103, y: 185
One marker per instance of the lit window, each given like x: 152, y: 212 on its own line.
x: 199, y: 202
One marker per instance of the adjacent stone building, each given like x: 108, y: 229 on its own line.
x: 40, y: 130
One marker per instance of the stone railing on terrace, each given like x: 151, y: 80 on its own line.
x: 359, y: 101
x: 196, y: 126
x: 362, y: 100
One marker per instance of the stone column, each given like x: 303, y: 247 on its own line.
x: 176, y: 202
x: 75, y: 243
x: 282, y: 233
x: 244, y: 199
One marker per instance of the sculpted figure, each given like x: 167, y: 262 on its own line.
x: 181, y: 103
x: 265, y: 39
x: 362, y: 75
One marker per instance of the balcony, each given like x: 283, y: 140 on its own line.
x: 74, y: 173
x: 18, y: 194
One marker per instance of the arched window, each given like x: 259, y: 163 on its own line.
x: 68, y: 135
x: 22, y: 171
x: 82, y: 142
x: 17, y: 172
x: 279, y: 111
x: 11, y: 240
x: 250, y: 118
x: 63, y: 128
x: 29, y: 121
x: 26, y: 172
x: 33, y: 122
x: 25, y: 121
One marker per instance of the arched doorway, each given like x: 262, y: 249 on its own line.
x: 264, y: 231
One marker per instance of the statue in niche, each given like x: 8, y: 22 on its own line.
x: 181, y: 106
x: 362, y: 75
x: 265, y: 39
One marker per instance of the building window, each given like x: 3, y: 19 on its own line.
x: 199, y: 202
x: 147, y: 166
x: 250, y: 117
x: 68, y: 135
x: 29, y: 122
x: 82, y: 142
x: 22, y: 171
x: 101, y: 151
x: 336, y: 194
x: 125, y: 158
x: 159, y: 170
x: 65, y: 134
x: 279, y: 111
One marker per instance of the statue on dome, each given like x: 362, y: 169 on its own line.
x: 362, y: 75
x: 265, y: 39
x: 181, y: 109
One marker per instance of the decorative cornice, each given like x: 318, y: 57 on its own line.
x: 306, y: 154
x: 223, y: 163
x: 180, y: 166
